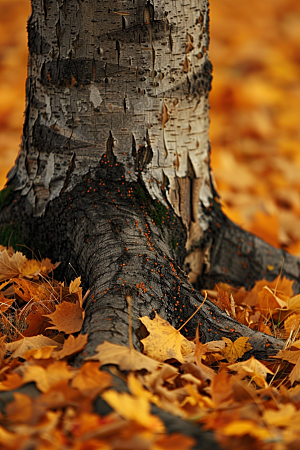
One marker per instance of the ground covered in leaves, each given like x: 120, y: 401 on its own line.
x: 51, y: 403
x: 254, y: 113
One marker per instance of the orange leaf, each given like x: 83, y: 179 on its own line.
x: 90, y: 380
x: 72, y: 345
x: 47, y: 377
x: 235, y: 350
x: 68, y: 317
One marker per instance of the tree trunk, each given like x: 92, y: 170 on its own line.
x: 113, y: 176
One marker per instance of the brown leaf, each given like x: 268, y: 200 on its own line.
x: 37, y: 322
x: 124, y: 357
x: 18, y: 348
x: 72, y: 345
x: 68, y: 317
x: 235, y: 350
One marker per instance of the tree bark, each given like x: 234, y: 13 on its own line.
x: 113, y: 176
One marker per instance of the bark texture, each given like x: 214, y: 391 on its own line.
x: 113, y: 175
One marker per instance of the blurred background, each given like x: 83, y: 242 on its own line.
x: 255, y: 109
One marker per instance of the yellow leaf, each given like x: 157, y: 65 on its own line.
x: 235, y: 350
x: 40, y: 353
x: 242, y: 427
x: 47, y: 377
x: 281, y: 417
x: 75, y: 285
x: 18, y: 348
x: 133, y: 408
x: 124, y: 357
x: 293, y: 303
x: 164, y: 342
x: 252, y: 368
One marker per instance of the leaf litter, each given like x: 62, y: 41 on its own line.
x: 244, y: 401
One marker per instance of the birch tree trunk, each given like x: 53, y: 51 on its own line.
x: 113, y: 176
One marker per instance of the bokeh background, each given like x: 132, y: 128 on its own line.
x: 255, y: 109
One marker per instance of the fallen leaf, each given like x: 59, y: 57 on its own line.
x: 19, y: 347
x: 11, y: 265
x: 164, y: 342
x: 47, y: 377
x: 75, y: 286
x: 72, y: 345
x: 253, y: 369
x: 200, y: 350
x: 124, y: 357
x: 269, y: 303
x: 90, y: 380
x: 133, y: 408
x: 174, y: 441
x: 68, y: 317
x: 40, y: 353
x: 235, y: 350
x: 242, y: 427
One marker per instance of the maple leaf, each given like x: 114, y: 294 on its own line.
x: 282, y: 285
x: 133, y: 408
x: 269, y: 303
x: 124, y: 357
x: 47, y: 377
x: 11, y: 264
x: 68, y: 317
x: 252, y: 368
x: 72, y: 345
x: 164, y: 342
x: 291, y: 323
x: 90, y: 380
x: 19, y: 347
x: 235, y: 350
x: 37, y: 322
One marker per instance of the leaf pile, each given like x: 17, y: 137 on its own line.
x: 245, y: 403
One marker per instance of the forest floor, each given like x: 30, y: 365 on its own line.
x: 255, y: 111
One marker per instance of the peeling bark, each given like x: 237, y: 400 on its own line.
x: 114, y: 175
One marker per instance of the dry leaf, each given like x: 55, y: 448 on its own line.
x: 68, y: 317
x: 200, y: 350
x: 11, y: 265
x: 253, y: 369
x: 75, y: 286
x: 164, y: 342
x: 235, y: 350
x: 40, y: 353
x: 72, y: 345
x: 47, y: 377
x: 124, y: 357
x: 90, y: 380
x: 19, y: 347
x: 133, y: 408
x: 269, y: 303
x: 244, y: 427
